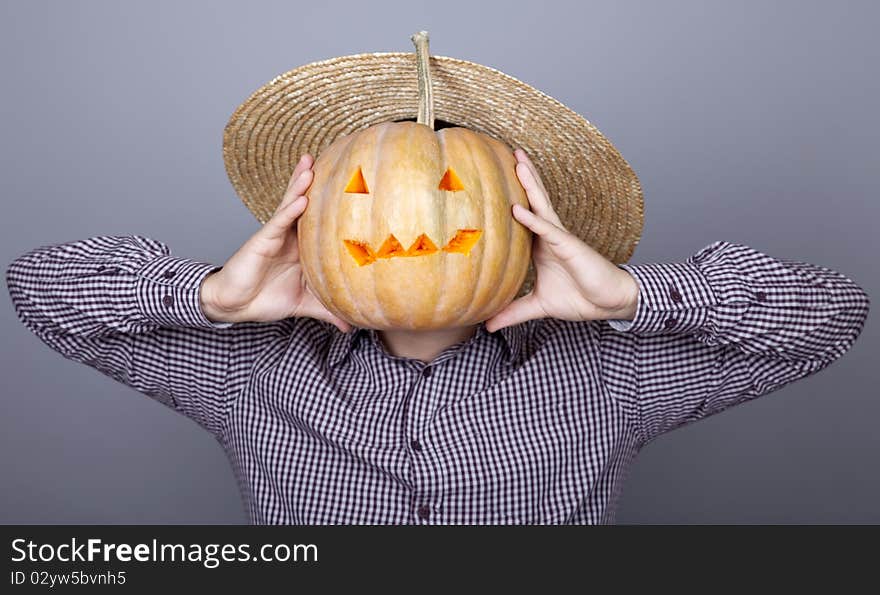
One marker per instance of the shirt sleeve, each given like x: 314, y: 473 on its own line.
x: 727, y: 325
x: 128, y: 308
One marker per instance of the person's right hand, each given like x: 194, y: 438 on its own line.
x: 263, y: 281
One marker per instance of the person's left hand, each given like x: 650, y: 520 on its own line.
x: 574, y: 282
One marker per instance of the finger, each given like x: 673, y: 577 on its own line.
x: 548, y: 212
x: 295, y: 190
x: 305, y: 162
x: 523, y: 157
x: 538, y: 199
x: 299, y: 185
x: 282, y: 221
x: 548, y: 231
x: 519, y: 310
x: 285, y: 200
x: 296, y: 182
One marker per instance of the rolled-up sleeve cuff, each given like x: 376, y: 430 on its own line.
x: 673, y: 298
x: 168, y: 292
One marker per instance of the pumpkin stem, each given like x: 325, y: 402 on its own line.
x: 426, y: 96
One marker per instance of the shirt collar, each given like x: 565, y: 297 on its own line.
x: 512, y: 337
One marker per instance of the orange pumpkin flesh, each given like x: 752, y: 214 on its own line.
x: 391, y: 247
x: 357, y: 184
x: 463, y: 241
x: 450, y: 181
x: 360, y: 251
x: 385, y: 198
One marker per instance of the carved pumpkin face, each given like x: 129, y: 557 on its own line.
x: 408, y: 227
x: 363, y: 253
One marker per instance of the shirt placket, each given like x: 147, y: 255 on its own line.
x: 426, y: 470
x: 424, y: 503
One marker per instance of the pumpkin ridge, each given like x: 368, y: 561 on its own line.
x: 316, y: 215
x: 510, y: 220
x: 323, y: 219
x: 380, y: 137
x: 347, y: 157
x: 478, y: 273
x: 440, y: 136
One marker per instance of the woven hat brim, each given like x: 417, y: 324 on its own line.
x: 593, y: 189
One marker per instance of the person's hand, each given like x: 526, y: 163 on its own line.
x: 263, y: 281
x: 573, y: 282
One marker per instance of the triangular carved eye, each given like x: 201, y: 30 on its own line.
x: 357, y: 184
x: 451, y: 181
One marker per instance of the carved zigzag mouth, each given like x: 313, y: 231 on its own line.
x: 363, y: 253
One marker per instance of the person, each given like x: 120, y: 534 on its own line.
x: 532, y: 416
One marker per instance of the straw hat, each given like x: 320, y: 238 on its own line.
x: 593, y: 189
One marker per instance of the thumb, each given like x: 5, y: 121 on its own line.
x: 311, y: 307
x: 519, y: 310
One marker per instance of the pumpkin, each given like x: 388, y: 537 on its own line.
x: 408, y: 227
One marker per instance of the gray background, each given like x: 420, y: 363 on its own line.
x: 752, y: 122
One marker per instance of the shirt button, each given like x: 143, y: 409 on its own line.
x: 761, y: 296
x: 416, y: 446
x: 168, y: 300
x: 424, y: 512
x: 676, y: 297
x: 427, y: 371
x: 670, y: 322
x: 169, y: 273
